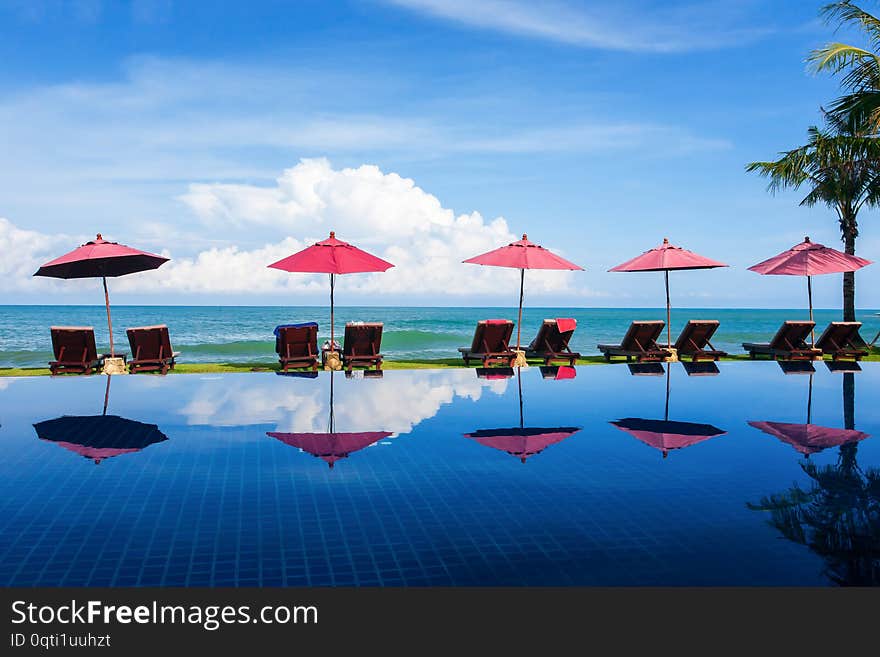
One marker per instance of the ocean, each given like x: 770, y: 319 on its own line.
x: 244, y: 333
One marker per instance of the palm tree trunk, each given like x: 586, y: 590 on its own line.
x: 849, y: 228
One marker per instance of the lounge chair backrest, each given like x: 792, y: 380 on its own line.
x: 297, y: 340
x: 362, y: 339
x: 642, y: 335
x: 74, y: 343
x: 696, y: 335
x: 149, y: 342
x: 840, y: 335
x: 792, y: 335
x: 550, y: 338
x: 492, y: 335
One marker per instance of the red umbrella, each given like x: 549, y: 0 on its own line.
x: 522, y: 255
x: 666, y: 258
x: 667, y: 434
x: 809, y: 259
x: 522, y: 441
x: 331, y: 256
x: 809, y: 438
x: 105, y: 259
x: 333, y: 445
x: 330, y: 446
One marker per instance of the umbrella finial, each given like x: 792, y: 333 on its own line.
x: 330, y: 463
x: 665, y: 453
x: 525, y: 237
x: 666, y: 240
x: 100, y: 237
x: 332, y: 234
x: 522, y: 459
x: 807, y: 239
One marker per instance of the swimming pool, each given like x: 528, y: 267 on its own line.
x: 443, y: 477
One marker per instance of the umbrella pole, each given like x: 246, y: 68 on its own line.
x: 109, y: 321
x: 810, y: 400
x: 332, y: 285
x: 107, y: 394
x: 522, y: 280
x: 666, y: 412
x: 668, y: 312
x: 810, y: 297
x: 519, y: 386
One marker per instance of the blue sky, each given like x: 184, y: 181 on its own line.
x: 598, y: 128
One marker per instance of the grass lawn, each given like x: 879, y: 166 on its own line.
x: 271, y: 366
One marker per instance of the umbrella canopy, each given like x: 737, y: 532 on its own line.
x: 522, y: 442
x: 98, y: 437
x: 809, y: 438
x: 667, y: 257
x: 809, y: 259
x: 330, y: 446
x: 331, y: 256
x: 523, y: 255
x: 100, y: 258
x: 667, y: 434
x: 333, y: 445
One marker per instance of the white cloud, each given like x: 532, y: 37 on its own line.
x: 23, y: 253
x: 381, y: 212
x: 614, y: 27
x: 395, y: 404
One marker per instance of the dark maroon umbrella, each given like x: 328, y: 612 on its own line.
x: 100, y: 258
x: 99, y: 437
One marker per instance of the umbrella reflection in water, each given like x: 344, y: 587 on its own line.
x: 332, y: 445
x: 809, y: 438
x: 522, y: 442
x: 837, y: 515
x: 99, y: 437
x: 666, y: 435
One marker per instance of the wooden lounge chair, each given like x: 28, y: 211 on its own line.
x: 297, y: 345
x: 640, y: 342
x: 551, y: 342
x: 362, y: 344
x: 694, y: 338
x: 796, y: 367
x: 491, y: 343
x: 788, y: 343
x: 74, y: 350
x: 842, y: 340
x: 151, y: 349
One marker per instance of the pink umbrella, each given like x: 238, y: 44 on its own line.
x: 809, y: 438
x: 666, y: 258
x: 667, y: 434
x: 809, y: 259
x: 522, y: 441
x: 331, y: 256
x: 333, y: 445
x: 522, y: 255
x: 101, y: 258
x: 330, y: 446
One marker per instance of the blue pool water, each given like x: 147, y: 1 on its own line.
x: 206, y: 497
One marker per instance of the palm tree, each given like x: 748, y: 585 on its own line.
x: 838, y: 516
x: 859, y: 107
x: 841, y: 169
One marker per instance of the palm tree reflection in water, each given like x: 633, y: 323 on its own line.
x: 838, y: 516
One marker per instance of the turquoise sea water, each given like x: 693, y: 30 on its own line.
x: 244, y: 333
